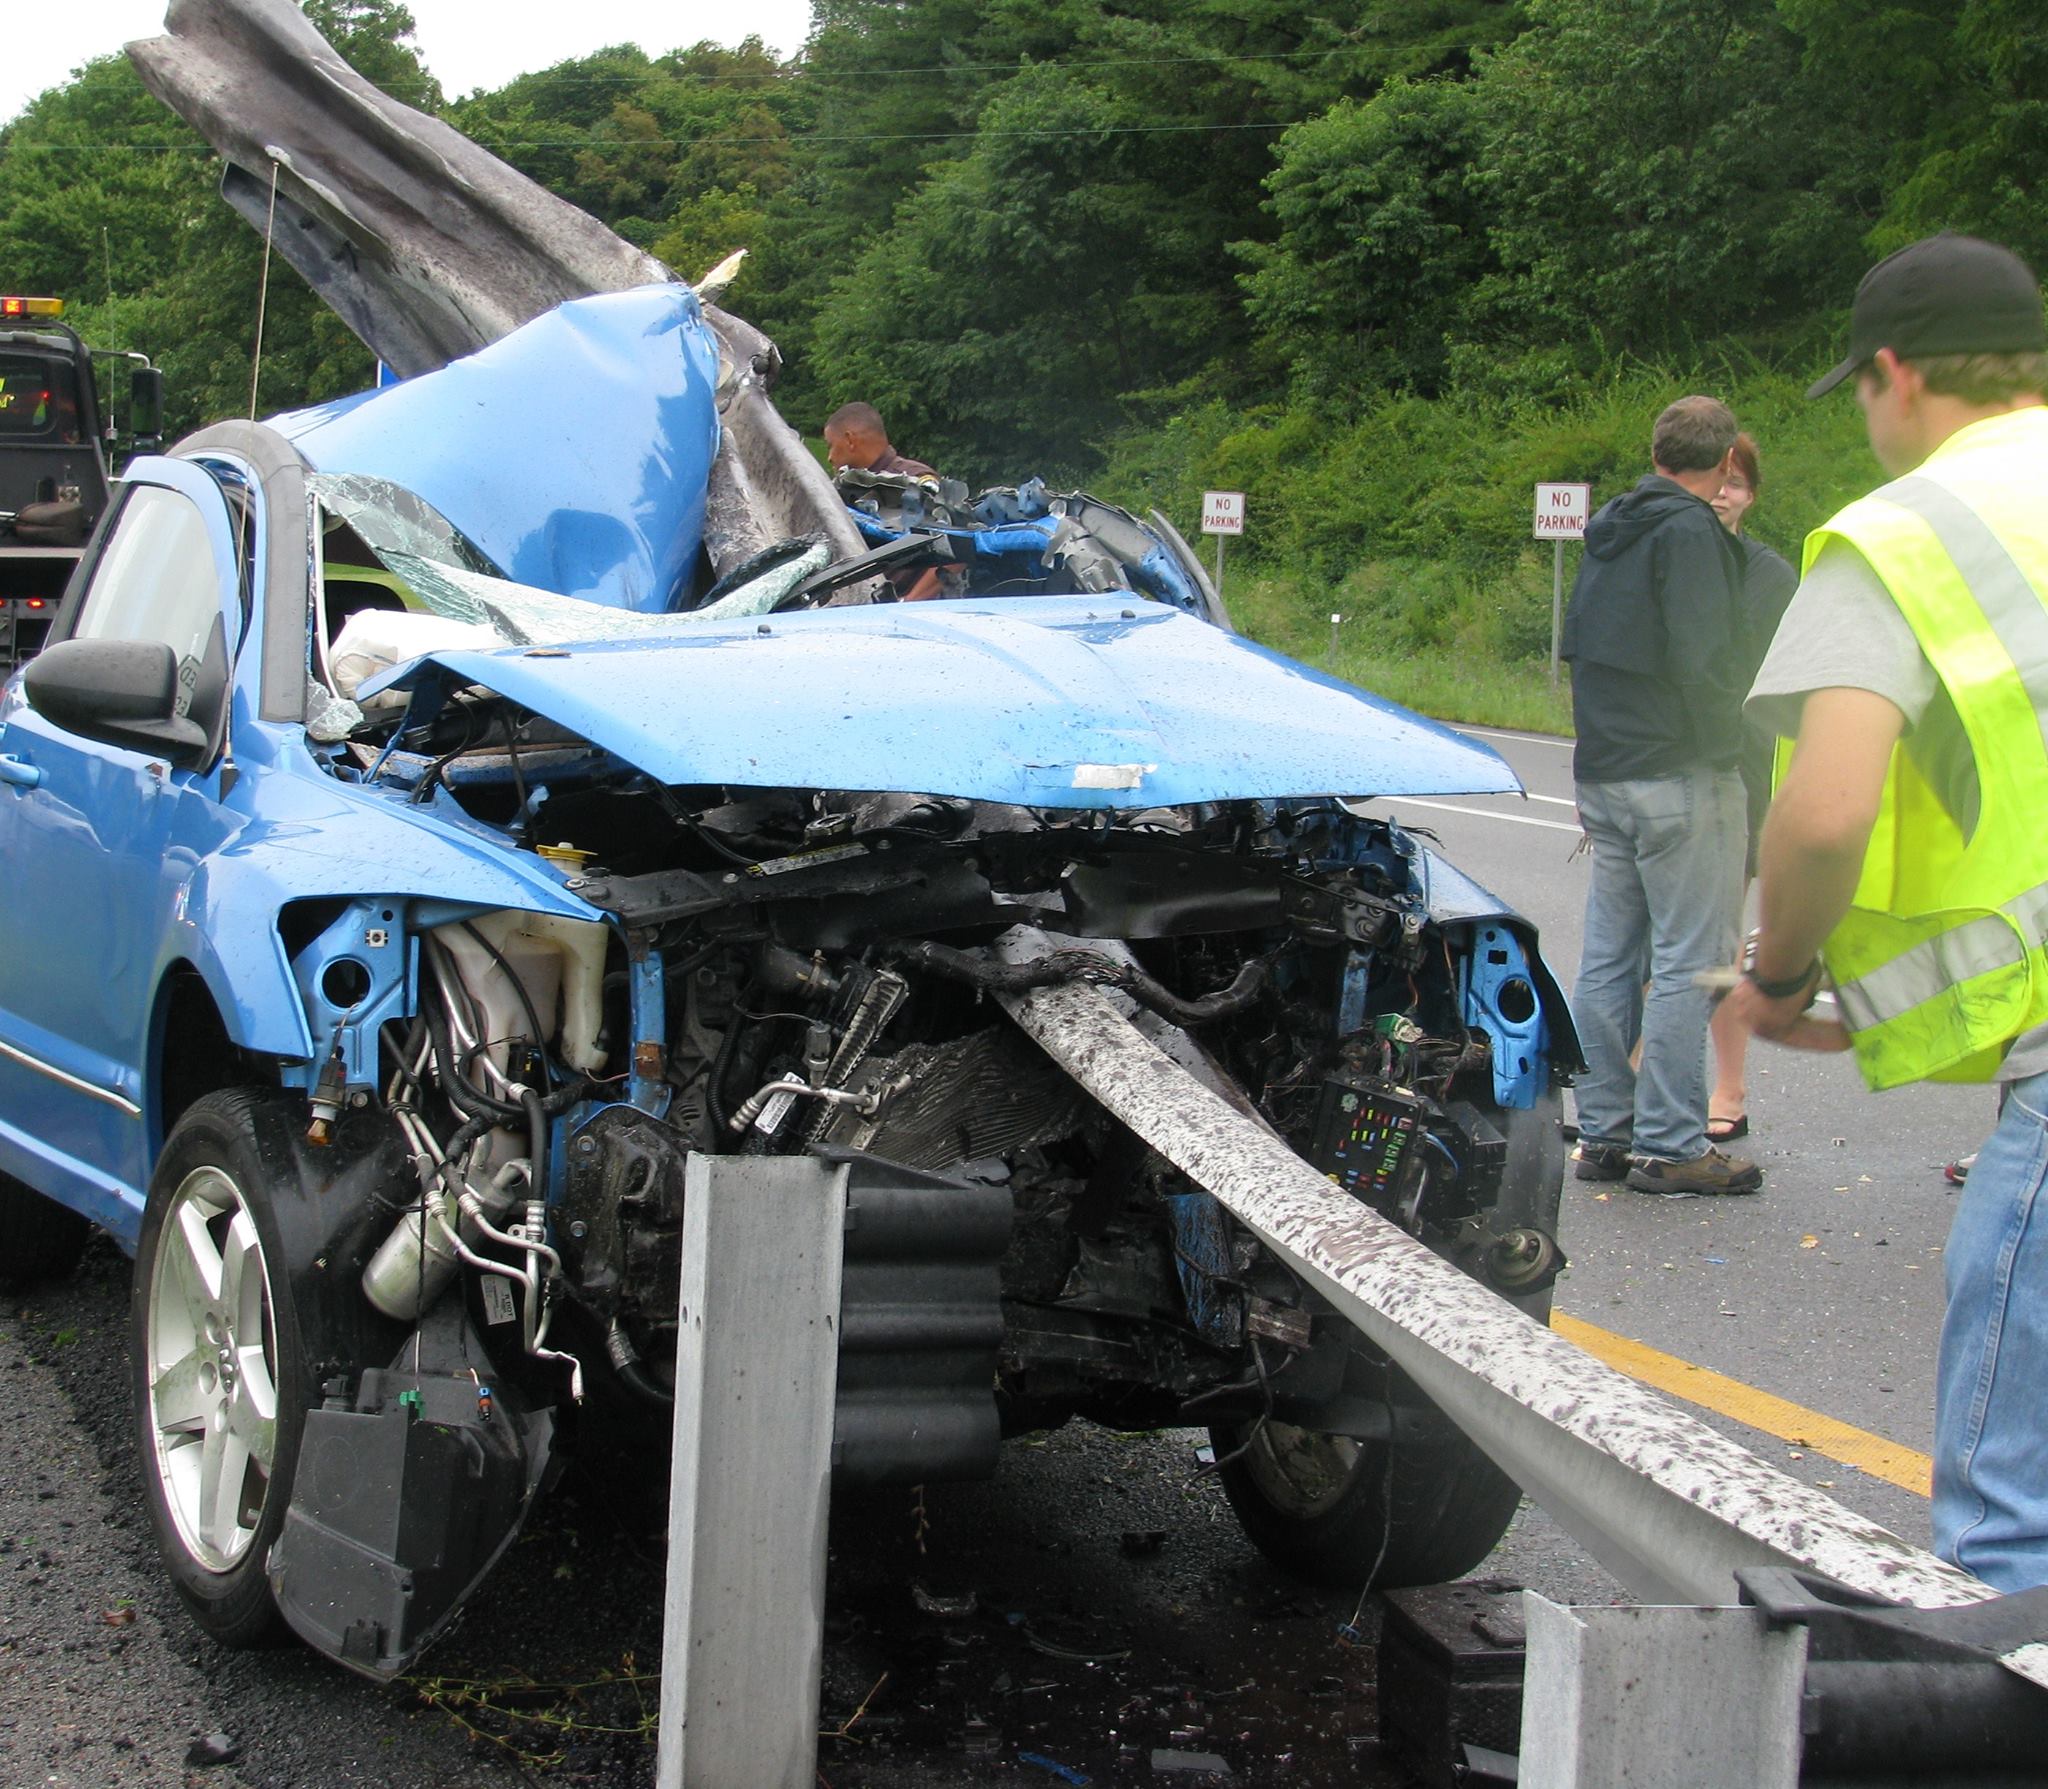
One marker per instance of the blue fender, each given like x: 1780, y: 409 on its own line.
x: 226, y: 919
x: 1453, y: 898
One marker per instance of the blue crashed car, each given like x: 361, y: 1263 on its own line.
x: 433, y: 830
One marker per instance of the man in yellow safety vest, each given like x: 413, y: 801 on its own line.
x: 1906, y: 854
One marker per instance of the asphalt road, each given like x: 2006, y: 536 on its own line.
x: 1092, y: 1606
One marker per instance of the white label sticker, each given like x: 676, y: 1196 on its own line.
x: 1110, y: 776
x: 499, y: 1305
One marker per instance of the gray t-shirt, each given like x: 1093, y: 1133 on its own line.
x: 1843, y: 631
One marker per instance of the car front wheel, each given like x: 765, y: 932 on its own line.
x: 1425, y: 1505
x: 218, y: 1379
x: 1347, y: 1513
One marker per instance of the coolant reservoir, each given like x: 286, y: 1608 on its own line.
x: 560, y: 964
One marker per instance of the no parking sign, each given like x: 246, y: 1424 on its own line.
x: 1562, y: 511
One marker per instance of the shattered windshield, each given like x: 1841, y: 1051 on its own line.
x: 444, y: 574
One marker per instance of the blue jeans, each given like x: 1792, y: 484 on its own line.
x: 1665, y: 903
x: 1991, y: 1392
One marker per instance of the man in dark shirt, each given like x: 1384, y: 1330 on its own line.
x: 856, y: 441
x: 854, y: 436
x: 1655, y: 639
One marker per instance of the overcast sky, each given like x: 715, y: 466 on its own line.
x: 466, y: 43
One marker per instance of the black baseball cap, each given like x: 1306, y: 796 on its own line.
x: 1945, y: 295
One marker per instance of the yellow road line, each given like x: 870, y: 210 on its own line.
x: 1804, y: 1428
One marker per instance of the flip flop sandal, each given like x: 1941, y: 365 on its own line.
x: 1727, y: 1130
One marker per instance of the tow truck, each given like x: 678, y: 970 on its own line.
x: 57, y: 447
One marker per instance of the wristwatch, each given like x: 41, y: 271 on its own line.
x: 1784, y: 987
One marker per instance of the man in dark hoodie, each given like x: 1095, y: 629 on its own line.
x: 1654, y: 637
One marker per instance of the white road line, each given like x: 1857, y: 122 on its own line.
x: 1525, y: 738
x: 1563, y: 801
x: 1451, y: 807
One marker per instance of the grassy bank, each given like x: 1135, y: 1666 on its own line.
x: 1410, y: 517
x: 1455, y: 684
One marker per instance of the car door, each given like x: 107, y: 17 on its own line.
x: 90, y: 869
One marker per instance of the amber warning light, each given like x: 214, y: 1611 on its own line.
x: 31, y: 307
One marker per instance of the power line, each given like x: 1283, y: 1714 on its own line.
x: 914, y: 136
x: 713, y: 142
x: 781, y: 71
x: 814, y: 71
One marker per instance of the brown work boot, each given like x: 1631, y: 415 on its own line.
x: 1714, y: 1172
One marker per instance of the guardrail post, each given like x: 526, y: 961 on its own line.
x: 1659, y: 1698
x: 756, y: 1377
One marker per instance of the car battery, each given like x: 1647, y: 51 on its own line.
x: 1368, y: 1139
x: 1450, y: 1675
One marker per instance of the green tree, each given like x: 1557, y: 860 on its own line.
x: 1948, y: 105
x: 1380, y: 236
x: 1001, y: 320
x: 1656, y: 174
x: 1416, y: 40
x: 660, y: 149
x: 110, y: 202
x: 96, y: 185
x: 1200, y: 91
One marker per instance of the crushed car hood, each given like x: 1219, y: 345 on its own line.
x: 1068, y: 702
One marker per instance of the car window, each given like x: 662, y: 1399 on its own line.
x: 236, y: 489
x: 156, y: 578
x: 38, y: 397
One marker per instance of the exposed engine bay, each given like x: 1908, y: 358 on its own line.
x: 792, y: 971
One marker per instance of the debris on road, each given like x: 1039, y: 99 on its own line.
x: 1066, y: 1773
x: 947, y: 1608
x: 212, y: 1751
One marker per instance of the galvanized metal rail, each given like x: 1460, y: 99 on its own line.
x: 1670, y: 1506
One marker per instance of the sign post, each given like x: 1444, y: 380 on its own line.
x: 1222, y: 513
x: 1561, y: 512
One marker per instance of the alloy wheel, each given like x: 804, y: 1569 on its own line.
x: 211, y: 1369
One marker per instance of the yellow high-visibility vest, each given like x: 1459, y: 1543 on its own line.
x: 1941, y: 962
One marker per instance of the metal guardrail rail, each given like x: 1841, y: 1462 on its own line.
x: 1670, y: 1506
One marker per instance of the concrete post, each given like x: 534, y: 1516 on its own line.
x: 756, y: 1375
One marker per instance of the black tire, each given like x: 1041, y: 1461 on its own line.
x: 1344, y: 1513
x: 1425, y: 1509
x: 220, y: 1371
x: 39, y: 1239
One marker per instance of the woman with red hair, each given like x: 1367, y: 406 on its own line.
x: 1768, y: 583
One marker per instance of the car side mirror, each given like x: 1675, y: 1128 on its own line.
x: 120, y: 692
x: 146, y: 408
